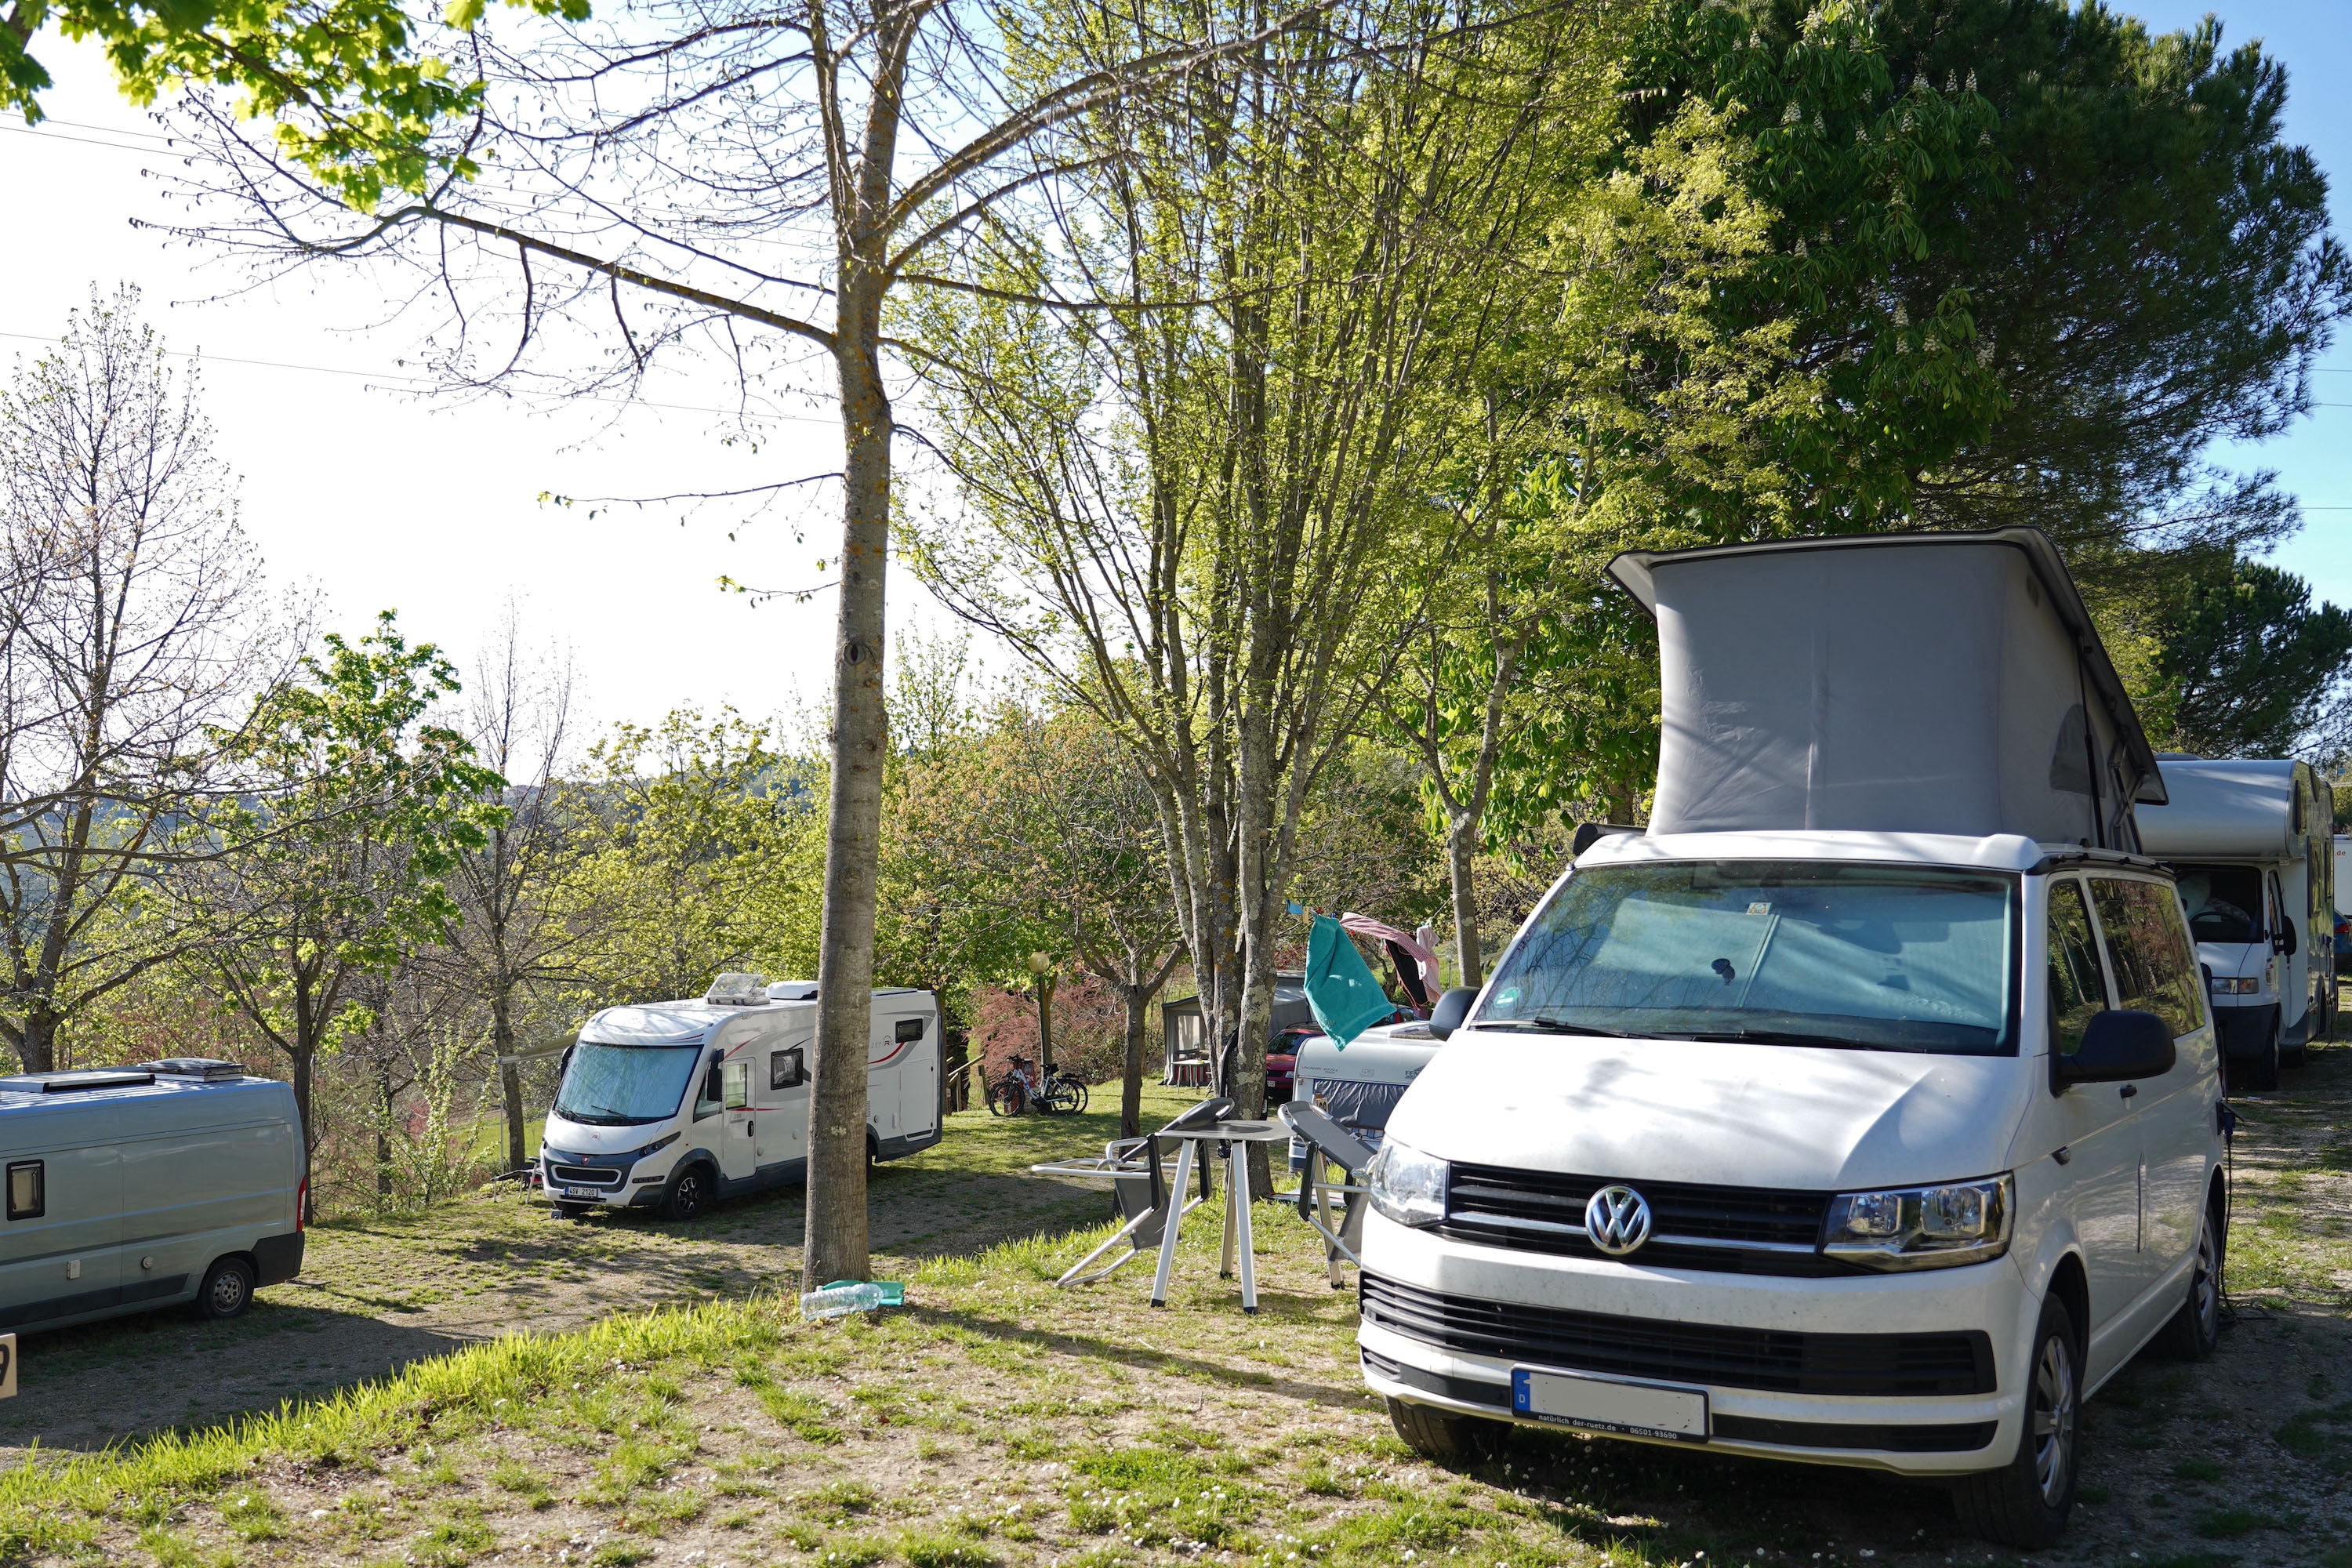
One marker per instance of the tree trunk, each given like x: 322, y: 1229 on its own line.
x: 299, y: 1061
x: 1044, y: 1025
x: 1131, y: 1093
x: 836, y: 1238
x: 38, y: 1047
x: 1461, y: 838
x: 502, y: 1045
x: 383, y: 1132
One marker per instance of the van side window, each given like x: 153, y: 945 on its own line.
x: 735, y: 1077
x: 2077, y: 989
x: 910, y: 1029
x: 785, y: 1068
x: 29, y: 1190
x: 2155, y: 968
x: 713, y: 1091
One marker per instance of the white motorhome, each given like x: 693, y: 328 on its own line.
x: 131, y: 1188
x: 2251, y: 842
x: 1358, y: 1085
x: 673, y: 1104
x: 1864, y: 1109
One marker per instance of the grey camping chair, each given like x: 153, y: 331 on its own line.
x: 1136, y: 1171
x: 1328, y: 1143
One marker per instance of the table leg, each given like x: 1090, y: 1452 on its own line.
x: 1239, y: 1164
x: 1175, y: 1217
x: 1226, y: 1264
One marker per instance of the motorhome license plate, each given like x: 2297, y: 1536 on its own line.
x: 584, y: 1191
x: 1606, y: 1405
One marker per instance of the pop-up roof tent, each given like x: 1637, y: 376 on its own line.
x: 1893, y: 682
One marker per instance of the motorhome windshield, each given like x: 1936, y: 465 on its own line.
x: 619, y: 1085
x: 1872, y: 957
x: 2224, y: 902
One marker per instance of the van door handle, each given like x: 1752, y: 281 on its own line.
x: 2130, y: 1091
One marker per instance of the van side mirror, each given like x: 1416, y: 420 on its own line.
x: 2119, y: 1046
x: 1452, y: 1010
x: 2285, y: 941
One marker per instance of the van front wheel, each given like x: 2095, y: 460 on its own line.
x: 688, y: 1191
x: 227, y: 1291
x: 2026, y: 1501
x: 1438, y: 1435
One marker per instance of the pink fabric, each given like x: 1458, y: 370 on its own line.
x: 1380, y: 931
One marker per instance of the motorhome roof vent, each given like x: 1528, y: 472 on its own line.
x: 792, y: 990
x: 738, y: 991
x: 79, y: 1081
x: 210, y: 1069
x: 1944, y: 682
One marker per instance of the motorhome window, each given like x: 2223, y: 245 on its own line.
x: 910, y: 1029
x: 29, y: 1190
x: 736, y: 1083
x: 620, y: 1085
x: 2077, y: 991
x: 1799, y: 952
x: 2155, y: 970
x: 2224, y: 902
x: 785, y: 1068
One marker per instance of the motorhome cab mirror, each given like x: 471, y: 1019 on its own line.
x: 1749, y: 1142
x: 1450, y: 1009
x: 2120, y: 1045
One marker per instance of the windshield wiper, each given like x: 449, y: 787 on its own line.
x: 1554, y: 1026
x: 1770, y: 1037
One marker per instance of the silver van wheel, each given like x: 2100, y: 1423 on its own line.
x: 2053, y: 1419
x: 228, y: 1290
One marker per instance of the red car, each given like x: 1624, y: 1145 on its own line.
x: 1282, y: 1060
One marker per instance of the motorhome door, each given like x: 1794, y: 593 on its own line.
x: 781, y: 1092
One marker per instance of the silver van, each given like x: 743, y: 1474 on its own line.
x: 129, y: 1188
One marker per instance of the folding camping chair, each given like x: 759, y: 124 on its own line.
x: 1328, y: 1142
x: 1140, y: 1186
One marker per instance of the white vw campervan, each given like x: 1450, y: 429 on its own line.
x: 672, y: 1104
x: 2252, y: 842
x: 1864, y: 1110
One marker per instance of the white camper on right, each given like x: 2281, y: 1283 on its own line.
x: 2252, y: 842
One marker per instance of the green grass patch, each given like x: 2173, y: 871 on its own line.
x: 2230, y: 1524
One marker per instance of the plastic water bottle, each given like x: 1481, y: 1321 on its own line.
x: 840, y: 1299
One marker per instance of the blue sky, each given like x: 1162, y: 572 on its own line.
x: 2313, y: 38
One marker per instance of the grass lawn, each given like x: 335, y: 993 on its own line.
x: 996, y: 1420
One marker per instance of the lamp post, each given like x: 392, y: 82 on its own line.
x: 1041, y: 965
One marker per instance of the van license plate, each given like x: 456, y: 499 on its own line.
x: 1606, y: 1405
x: 584, y: 1191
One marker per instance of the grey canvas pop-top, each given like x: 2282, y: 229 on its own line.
x: 1912, y: 682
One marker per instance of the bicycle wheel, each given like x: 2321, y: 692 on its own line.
x: 1006, y: 1099
x: 1066, y: 1097
x: 1081, y: 1091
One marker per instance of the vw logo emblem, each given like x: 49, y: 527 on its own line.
x: 1617, y: 1219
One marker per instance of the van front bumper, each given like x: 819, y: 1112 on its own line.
x: 1862, y: 1370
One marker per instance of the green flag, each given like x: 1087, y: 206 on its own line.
x: 1341, y: 989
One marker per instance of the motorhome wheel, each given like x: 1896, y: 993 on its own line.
x: 2261, y: 1072
x: 227, y: 1291
x: 688, y: 1193
x: 572, y: 1211
x: 2026, y: 1501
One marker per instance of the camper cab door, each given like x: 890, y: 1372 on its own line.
x: 781, y: 1089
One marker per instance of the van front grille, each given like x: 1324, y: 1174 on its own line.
x: 1728, y: 1230
x: 584, y: 1175
x: 1776, y: 1361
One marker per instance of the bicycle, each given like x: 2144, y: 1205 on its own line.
x: 1055, y: 1094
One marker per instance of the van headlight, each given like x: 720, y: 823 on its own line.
x: 1923, y: 1228
x: 656, y: 1147
x: 1408, y: 1185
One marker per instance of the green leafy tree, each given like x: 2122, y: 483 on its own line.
x: 330, y: 864
x: 697, y: 851
x: 352, y: 89
x: 2247, y: 665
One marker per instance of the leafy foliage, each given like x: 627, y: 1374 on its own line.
x: 2249, y: 667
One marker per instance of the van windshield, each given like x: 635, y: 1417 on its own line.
x: 619, y: 1085
x: 1893, y: 958
x: 2224, y: 902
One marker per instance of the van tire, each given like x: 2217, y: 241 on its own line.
x: 227, y: 1291
x: 689, y: 1192
x: 2260, y: 1073
x: 573, y: 1211
x: 2195, y: 1331
x: 2013, y: 1506
x: 1441, y: 1435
